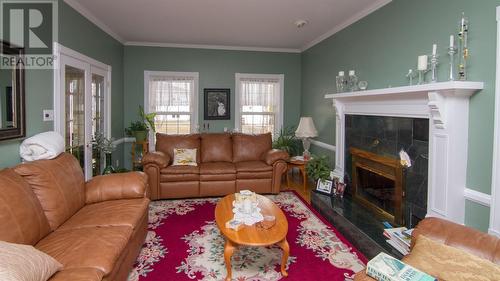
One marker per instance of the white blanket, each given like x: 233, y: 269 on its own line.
x: 47, y: 145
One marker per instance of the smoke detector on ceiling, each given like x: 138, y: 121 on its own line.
x: 300, y: 23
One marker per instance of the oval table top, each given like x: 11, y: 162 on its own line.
x: 252, y: 235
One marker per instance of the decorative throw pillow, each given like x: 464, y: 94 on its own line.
x: 20, y: 262
x: 449, y: 263
x: 184, y: 157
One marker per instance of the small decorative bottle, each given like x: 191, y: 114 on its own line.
x: 352, y: 81
x: 340, y: 82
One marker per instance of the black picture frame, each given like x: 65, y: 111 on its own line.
x: 217, y: 104
x: 325, y: 187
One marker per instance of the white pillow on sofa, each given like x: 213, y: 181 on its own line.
x: 20, y: 262
x: 184, y: 157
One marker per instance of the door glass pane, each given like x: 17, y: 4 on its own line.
x: 97, y: 120
x: 75, y: 112
x: 173, y: 123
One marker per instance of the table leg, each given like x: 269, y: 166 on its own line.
x: 288, y: 177
x: 304, y: 178
x: 286, y: 252
x: 228, y: 253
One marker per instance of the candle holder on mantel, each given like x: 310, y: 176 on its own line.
x: 434, y: 64
x: 451, y: 52
x: 463, y: 35
x: 410, y: 76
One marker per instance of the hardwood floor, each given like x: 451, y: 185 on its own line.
x: 296, y: 185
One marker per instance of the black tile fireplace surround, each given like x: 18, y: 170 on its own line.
x: 386, y: 136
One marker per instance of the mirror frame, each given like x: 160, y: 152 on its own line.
x: 18, y: 96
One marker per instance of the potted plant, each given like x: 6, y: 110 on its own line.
x: 140, y: 128
x: 105, y: 146
x: 286, y: 140
x: 318, y: 168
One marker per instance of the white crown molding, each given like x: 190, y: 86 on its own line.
x: 213, y: 47
x: 324, y: 145
x: 88, y: 15
x: 361, y: 14
x: 123, y: 140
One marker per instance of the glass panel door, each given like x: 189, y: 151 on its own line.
x: 82, y: 111
x: 98, y: 88
x: 75, y: 112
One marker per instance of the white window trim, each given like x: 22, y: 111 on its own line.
x: 494, y: 227
x: 237, y: 110
x: 194, y: 75
x: 59, y: 98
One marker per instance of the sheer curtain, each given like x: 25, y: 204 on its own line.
x: 259, y: 100
x: 172, y: 99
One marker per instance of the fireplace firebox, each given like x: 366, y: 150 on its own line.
x: 378, y: 184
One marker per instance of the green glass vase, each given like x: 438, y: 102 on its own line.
x: 109, y: 167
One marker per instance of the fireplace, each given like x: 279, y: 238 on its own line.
x: 377, y: 183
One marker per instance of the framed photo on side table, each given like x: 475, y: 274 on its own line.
x: 325, y: 187
x: 217, y: 104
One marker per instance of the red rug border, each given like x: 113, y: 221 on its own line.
x: 325, y: 221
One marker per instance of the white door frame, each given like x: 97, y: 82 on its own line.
x: 66, y: 56
x: 494, y: 227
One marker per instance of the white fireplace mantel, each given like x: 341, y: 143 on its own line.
x: 446, y: 105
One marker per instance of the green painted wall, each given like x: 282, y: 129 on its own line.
x: 384, y: 45
x: 79, y: 34
x: 216, y: 69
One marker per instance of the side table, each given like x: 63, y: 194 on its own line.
x: 301, y: 165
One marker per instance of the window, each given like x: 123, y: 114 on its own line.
x: 173, y: 97
x: 259, y: 99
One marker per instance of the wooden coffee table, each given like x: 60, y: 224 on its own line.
x: 252, y: 235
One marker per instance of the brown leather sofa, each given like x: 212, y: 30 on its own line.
x: 95, y: 229
x: 465, y: 238
x: 227, y: 163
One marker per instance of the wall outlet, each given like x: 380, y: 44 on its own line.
x: 225, y: 129
x: 117, y: 163
x: 48, y: 115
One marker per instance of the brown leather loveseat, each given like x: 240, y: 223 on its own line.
x: 454, y: 235
x: 95, y: 229
x: 227, y: 163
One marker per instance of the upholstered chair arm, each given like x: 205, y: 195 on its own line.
x: 156, y: 158
x: 274, y: 155
x: 116, y: 186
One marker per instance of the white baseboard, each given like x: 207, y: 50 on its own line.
x: 324, y: 145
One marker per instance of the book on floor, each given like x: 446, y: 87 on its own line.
x: 386, y: 268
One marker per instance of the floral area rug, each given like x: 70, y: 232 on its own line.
x: 184, y: 243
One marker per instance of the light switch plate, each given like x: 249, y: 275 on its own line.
x: 48, y: 115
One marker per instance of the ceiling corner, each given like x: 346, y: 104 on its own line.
x: 356, y: 17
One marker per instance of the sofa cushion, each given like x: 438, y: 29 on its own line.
x: 180, y: 170
x: 127, y: 212
x: 179, y: 177
x: 94, y: 247
x: 21, y: 216
x: 450, y: 263
x: 217, y: 168
x: 58, y: 184
x: 251, y: 147
x: 218, y: 177
x: 216, y: 148
x: 255, y: 175
x: 166, y: 144
x: 19, y: 262
x: 253, y: 166
x: 78, y: 274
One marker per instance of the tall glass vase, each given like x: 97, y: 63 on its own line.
x: 108, y: 169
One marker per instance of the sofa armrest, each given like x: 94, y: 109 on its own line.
x: 116, y: 186
x: 156, y: 158
x: 274, y: 155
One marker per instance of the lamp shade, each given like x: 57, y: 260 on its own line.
x: 306, y: 128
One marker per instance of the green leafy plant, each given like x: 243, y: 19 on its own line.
x: 318, y: 168
x: 286, y: 140
x: 146, y: 122
x: 103, y: 144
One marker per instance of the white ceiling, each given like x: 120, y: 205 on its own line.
x: 236, y: 24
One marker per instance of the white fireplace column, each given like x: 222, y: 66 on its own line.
x: 446, y: 105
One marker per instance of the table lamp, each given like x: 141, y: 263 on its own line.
x: 305, y: 131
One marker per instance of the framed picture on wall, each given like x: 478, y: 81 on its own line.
x: 217, y: 104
